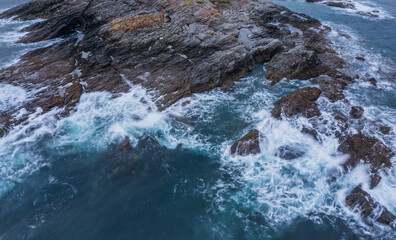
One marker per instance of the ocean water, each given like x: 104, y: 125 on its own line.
x: 67, y: 179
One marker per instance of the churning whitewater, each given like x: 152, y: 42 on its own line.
x: 65, y: 177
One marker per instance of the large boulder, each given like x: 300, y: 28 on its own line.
x: 248, y: 144
x: 300, y: 101
x: 298, y: 63
x: 360, y: 201
x: 369, y: 150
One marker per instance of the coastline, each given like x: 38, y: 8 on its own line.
x: 174, y: 57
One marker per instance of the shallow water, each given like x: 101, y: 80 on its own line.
x: 67, y: 179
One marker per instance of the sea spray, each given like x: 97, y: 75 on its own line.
x: 263, y: 191
x: 11, y: 32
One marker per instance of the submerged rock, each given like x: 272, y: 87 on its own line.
x: 311, y: 132
x: 356, y: 112
x: 360, y: 201
x: 384, y: 129
x: 332, y: 87
x: 360, y: 58
x: 125, y: 144
x: 340, y: 5
x: 290, y: 152
x: 248, y: 144
x: 300, y: 101
x: 373, y: 81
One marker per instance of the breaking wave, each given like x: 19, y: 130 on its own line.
x: 262, y: 190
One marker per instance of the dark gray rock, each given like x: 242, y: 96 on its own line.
x: 297, y: 63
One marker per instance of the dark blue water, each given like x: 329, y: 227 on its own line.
x: 69, y: 180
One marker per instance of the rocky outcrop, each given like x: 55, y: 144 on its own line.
x: 173, y: 48
x: 300, y: 101
x: 313, y: 58
x: 332, y: 87
x: 248, y: 144
x: 298, y: 63
x: 368, y: 150
x: 360, y: 201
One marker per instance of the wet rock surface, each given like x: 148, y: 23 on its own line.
x: 357, y: 112
x: 290, y: 152
x: 373, y: 81
x: 125, y: 144
x: 340, y: 5
x: 368, y: 150
x: 360, y: 201
x: 360, y: 58
x: 332, y: 87
x: 311, y: 132
x: 248, y: 144
x: 300, y: 101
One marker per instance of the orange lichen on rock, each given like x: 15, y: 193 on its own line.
x: 207, y: 13
x: 132, y: 23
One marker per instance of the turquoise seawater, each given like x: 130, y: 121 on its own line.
x: 67, y: 179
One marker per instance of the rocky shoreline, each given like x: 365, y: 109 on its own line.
x: 176, y: 48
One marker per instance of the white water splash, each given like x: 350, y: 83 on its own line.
x: 100, y: 120
x: 11, y: 96
x: 311, y: 186
x: 363, y: 8
x: 11, y: 33
x: 277, y: 189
